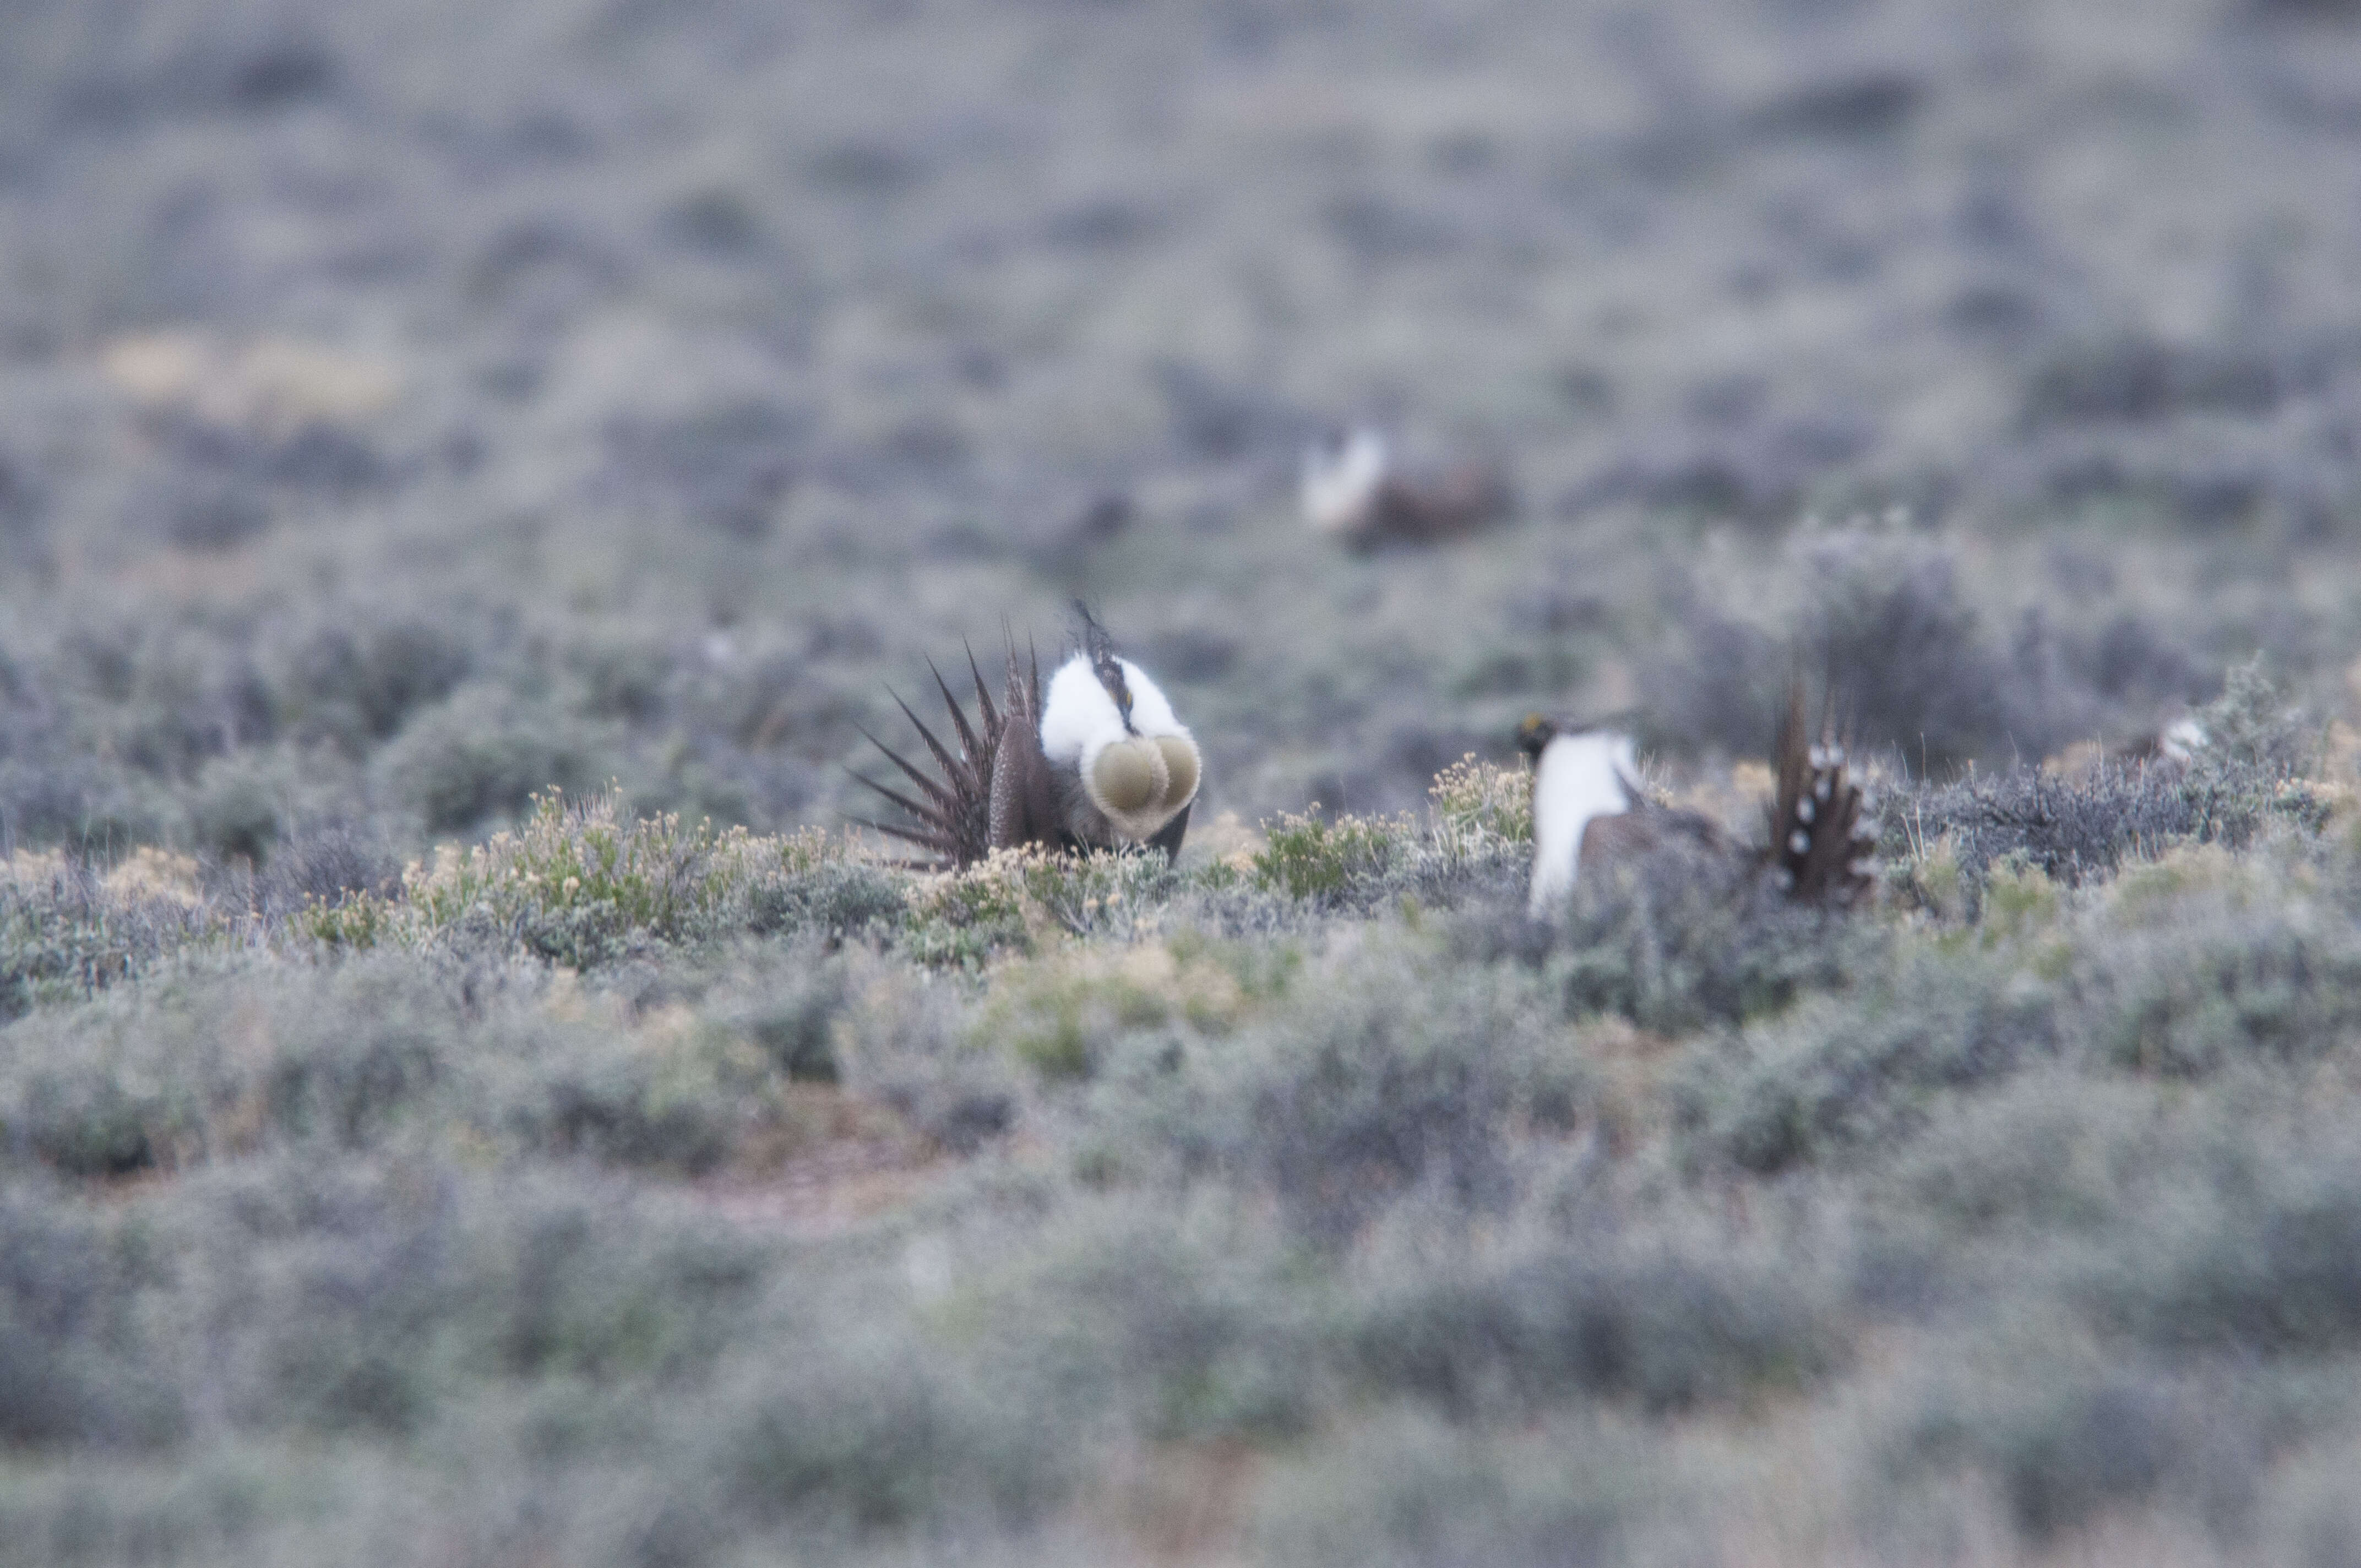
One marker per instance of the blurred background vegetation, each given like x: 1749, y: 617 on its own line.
x: 523, y: 444
x: 413, y: 406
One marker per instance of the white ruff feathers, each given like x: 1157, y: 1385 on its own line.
x: 1580, y: 777
x: 1080, y: 719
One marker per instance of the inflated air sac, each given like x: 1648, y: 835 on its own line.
x: 1180, y: 769
x: 1129, y: 776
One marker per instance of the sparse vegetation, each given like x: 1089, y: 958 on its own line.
x: 469, y: 475
x: 1455, y: 1188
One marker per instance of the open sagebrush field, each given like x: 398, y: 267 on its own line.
x: 467, y: 473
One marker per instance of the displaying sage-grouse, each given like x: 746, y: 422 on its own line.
x: 1100, y: 762
x: 1587, y: 812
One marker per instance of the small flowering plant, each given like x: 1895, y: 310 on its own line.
x: 1479, y: 807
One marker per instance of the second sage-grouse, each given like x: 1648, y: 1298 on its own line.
x: 1587, y: 812
x: 1352, y: 492
x: 1097, y: 761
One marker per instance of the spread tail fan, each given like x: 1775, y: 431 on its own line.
x: 1818, y: 835
x: 952, y: 816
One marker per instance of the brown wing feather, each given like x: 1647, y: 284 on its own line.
x: 1642, y: 830
x: 1620, y: 837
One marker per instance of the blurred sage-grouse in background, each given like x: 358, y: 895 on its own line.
x: 1352, y: 494
x: 1588, y: 813
x: 1102, y: 762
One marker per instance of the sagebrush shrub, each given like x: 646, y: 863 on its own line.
x: 484, y: 753
x: 577, y: 883
x: 1479, y: 807
x: 1330, y: 861
x: 1903, y: 650
x: 67, y: 932
x: 1062, y: 1013
x: 1685, y: 939
x: 2067, y: 1442
x: 2262, y: 1260
x: 1403, y: 1488
x: 1666, y: 1328
x: 358, y: 685
x: 1378, y: 1070
x: 1844, y: 1070
x: 77, y: 1367
x: 2075, y: 828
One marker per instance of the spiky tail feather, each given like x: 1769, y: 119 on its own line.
x: 1819, y: 838
x: 1025, y: 797
x: 952, y: 816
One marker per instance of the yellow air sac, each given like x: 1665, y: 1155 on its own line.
x: 1129, y: 776
x: 1181, y: 768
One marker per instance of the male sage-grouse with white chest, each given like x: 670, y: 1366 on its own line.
x: 1587, y: 813
x: 1098, y: 762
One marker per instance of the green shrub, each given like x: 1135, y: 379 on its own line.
x: 1479, y: 810
x: 1663, y: 1327
x: 825, y: 895
x: 1380, y: 1069
x: 579, y: 885
x: 483, y: 753
x: 960, y: 918
x: 226, y: 1505
x: 574, y: 883
x: 2066, y: 1439
x: 239, y: 813
x: 1175, y: 1317
x: 572, y: 1294
x: 1331, y: 861
x: 385, y: 1050
x: 67, y: 932
x: 342, y: 1295
x: 76, y: 1365
x: 788, y: 1011
x: 1683, y: 939
x: 1062, y: 1013
x: 2252, y: 730
x: 1400, y: 1489
x: 2199, y: 962
x: 676, y: 1094
x: 2262, y: 1259
x: 1842, y: 1071
x: 865, y: 1432
x: 2242, y: 779
x: 2052, y: 1150
x: 109, y: 1088
x: 358, y: 686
